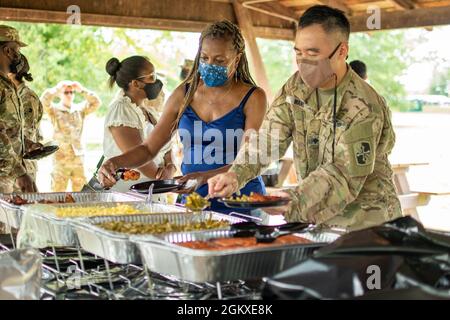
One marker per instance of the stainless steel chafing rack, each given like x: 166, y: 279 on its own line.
x: 161, y: 254
x: 117, y: 247
x: 75, y: 274
x: 11, y: 214
x: 129, y: 281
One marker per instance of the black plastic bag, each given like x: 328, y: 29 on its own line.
x: 397, y: 260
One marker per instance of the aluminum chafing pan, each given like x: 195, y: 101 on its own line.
x: 162, y: 255
x: 11, y: 214
x: 58, y: 232
x: 117, y: 247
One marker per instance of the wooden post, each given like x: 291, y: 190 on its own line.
x: 245, y: 23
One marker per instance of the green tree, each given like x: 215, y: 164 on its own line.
x: 57, y: 52
x: 441, y: 83
x: 386, y: 55
x: 278, y: 57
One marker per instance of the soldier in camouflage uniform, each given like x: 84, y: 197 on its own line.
x: 32, y: 109
x: 67, y: 118
x: 346, y: 177
x: 12, y: 141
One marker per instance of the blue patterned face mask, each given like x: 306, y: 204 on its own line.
x: 213, y: 75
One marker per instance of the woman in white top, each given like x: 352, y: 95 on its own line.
x: 128, y: 122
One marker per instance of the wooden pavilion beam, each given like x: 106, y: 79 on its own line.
x: 421, y: 17
x: 245, y: 23
x: 271, y: 7
x: 404, y: 4
x: 338, y: 4
x: 44, y: 16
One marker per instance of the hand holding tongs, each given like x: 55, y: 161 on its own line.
x: 120, y: 173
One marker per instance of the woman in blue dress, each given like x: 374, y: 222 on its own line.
x: 211, y: 110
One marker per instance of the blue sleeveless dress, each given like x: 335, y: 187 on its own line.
x: 212, y: 145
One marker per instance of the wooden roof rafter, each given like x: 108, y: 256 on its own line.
x: 404, y: 4
x: 273, y: 19
x: 338, y: 4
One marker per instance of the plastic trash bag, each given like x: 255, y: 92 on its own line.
x: 20, y: 275
x: 397, y: 260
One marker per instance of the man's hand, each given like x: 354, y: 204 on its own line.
x: 60, y: 87
x: 106, y: 174
x: 31, y: 145
x: 223, y: 185
x: 200, y: 177
x: 76, y: 86
x: 26, y: 184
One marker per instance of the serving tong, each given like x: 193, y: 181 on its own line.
x: 268, y: 234
x: 120, y: 173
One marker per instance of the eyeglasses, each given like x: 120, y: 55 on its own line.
x: 68, y: 92
x: 152, y: 76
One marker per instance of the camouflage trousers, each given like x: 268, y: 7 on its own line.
x: 6, y: 186
x: 67, y: 167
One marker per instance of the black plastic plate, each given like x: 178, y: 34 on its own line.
x: 40, y: 153
x: 159, y: 186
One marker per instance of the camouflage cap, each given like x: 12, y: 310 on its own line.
x: 8, y: 34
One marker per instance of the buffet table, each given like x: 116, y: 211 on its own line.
x: 82, y: 259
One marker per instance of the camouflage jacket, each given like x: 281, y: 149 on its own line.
x: 356, y: 190
x: 68, y: 124
x: 11, y: 131
x: 33, y: 111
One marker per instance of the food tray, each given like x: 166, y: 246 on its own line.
x: 11, y: 214
x: 39, y: 221
x: 117, y: 247
x: 162, y: 255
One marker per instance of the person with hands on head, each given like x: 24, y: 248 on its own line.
x: 341, y: 132
x: 219, y: 94
x: 68, y: 118
x: 132, y: 116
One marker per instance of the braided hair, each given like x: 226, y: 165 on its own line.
x: 218, y: 30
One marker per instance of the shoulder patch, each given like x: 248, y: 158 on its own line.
x: 362, y: 152
x: 359, y: 141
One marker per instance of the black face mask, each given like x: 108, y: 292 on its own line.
x: 15, y: 63
x: 152, y: 90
